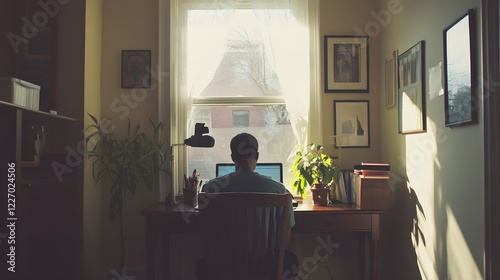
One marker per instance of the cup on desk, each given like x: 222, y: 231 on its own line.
x: 190, y: 196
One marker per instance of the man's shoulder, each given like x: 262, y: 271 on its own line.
x: 272, y: 184
x: 216, y: 184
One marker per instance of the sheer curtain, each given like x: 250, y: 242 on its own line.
x: 285, y: 28
x: 211, y: 21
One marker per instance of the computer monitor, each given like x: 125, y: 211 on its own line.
x: 273, y: 170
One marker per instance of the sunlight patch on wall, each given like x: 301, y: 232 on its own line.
x: 461, y: 264
x: 421, y: 166
x: 425, y: 265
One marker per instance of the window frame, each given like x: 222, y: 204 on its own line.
x: 168, y: 106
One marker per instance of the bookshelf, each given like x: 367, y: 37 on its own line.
x: 46, y: 201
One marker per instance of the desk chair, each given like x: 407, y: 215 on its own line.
x: 244, y: 235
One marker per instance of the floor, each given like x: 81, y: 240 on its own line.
x: 321, y: 256
x: 327, y: 256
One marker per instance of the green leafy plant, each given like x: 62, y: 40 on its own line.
x: 312, y: 166
x: 127, y: 162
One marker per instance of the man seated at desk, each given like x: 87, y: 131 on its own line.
x: 245, y: 153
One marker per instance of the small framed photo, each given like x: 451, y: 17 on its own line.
x: 411, y: 98
x: 346, y: 64
x: 39, y: 47
x: 352, y: 123
x: 136, y: 69
x: 460, y: 71
x: 391, y: 80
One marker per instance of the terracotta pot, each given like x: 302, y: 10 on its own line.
x: 320, y: 194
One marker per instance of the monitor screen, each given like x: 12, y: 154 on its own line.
x: 273, y: 170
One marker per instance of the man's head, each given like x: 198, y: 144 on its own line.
x: 245, y: 150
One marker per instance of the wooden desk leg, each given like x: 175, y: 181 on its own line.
x: 165, y: 253
x: 151, y: 244
x: 361, y: 255
x: 373, y: 259
x: 374, y: 246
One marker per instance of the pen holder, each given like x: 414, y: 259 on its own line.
x: 190, y: 196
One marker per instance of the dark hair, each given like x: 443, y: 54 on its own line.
x: 244, y: 147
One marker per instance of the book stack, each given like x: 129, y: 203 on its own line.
x: 372, y: 170
x: 372, y: 185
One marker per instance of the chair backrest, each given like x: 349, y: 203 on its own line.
x: 244, y: 234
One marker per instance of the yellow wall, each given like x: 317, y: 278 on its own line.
x: 345, y: 18
x: 92, y: 213
x: 443, y: 166
x: 127, y: 25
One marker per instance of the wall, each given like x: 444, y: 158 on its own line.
x: 347, y: 18
x: 71, y: 59
x: 5, y: 45
x: 438, y: 188
x: 127, y: 25
x: 92, y: 207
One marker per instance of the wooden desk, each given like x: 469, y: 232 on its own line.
x: 162, y: 220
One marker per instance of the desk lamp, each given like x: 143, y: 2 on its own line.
x: 198, y: 140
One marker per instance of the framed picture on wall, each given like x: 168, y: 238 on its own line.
x: 136, y: 69
x: 346, y: 64
x: 411, y: 98
x: 352, y: 123
x: 460, y: 71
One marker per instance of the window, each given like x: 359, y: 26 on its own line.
x: 241, y: 118
x: 239, y: 67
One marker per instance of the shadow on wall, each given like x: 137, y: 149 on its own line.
x: 399, y: 231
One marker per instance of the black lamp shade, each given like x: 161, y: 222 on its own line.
x: 200, y: 141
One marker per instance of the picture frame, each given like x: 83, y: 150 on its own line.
x: 391, y: 80
x: 352, y: 123
x: 460, y: 74
x: 346, y: 64
x: 136, y: 69
x: 411, y: 85
x: 39, y: 47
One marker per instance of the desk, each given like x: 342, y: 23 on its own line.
x: 162, y: 220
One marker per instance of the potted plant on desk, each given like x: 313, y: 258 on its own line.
x: 314, y: 168
x: 127, y: 162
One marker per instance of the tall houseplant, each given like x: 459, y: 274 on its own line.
x: 127, y: 162
x: 313, y: 167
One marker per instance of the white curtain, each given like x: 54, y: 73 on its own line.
x: 285, y: 30
x: 210, y: 23
x: 212, y: 20
x: 284, y: 26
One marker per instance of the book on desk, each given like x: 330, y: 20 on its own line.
x: 371, y: 185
